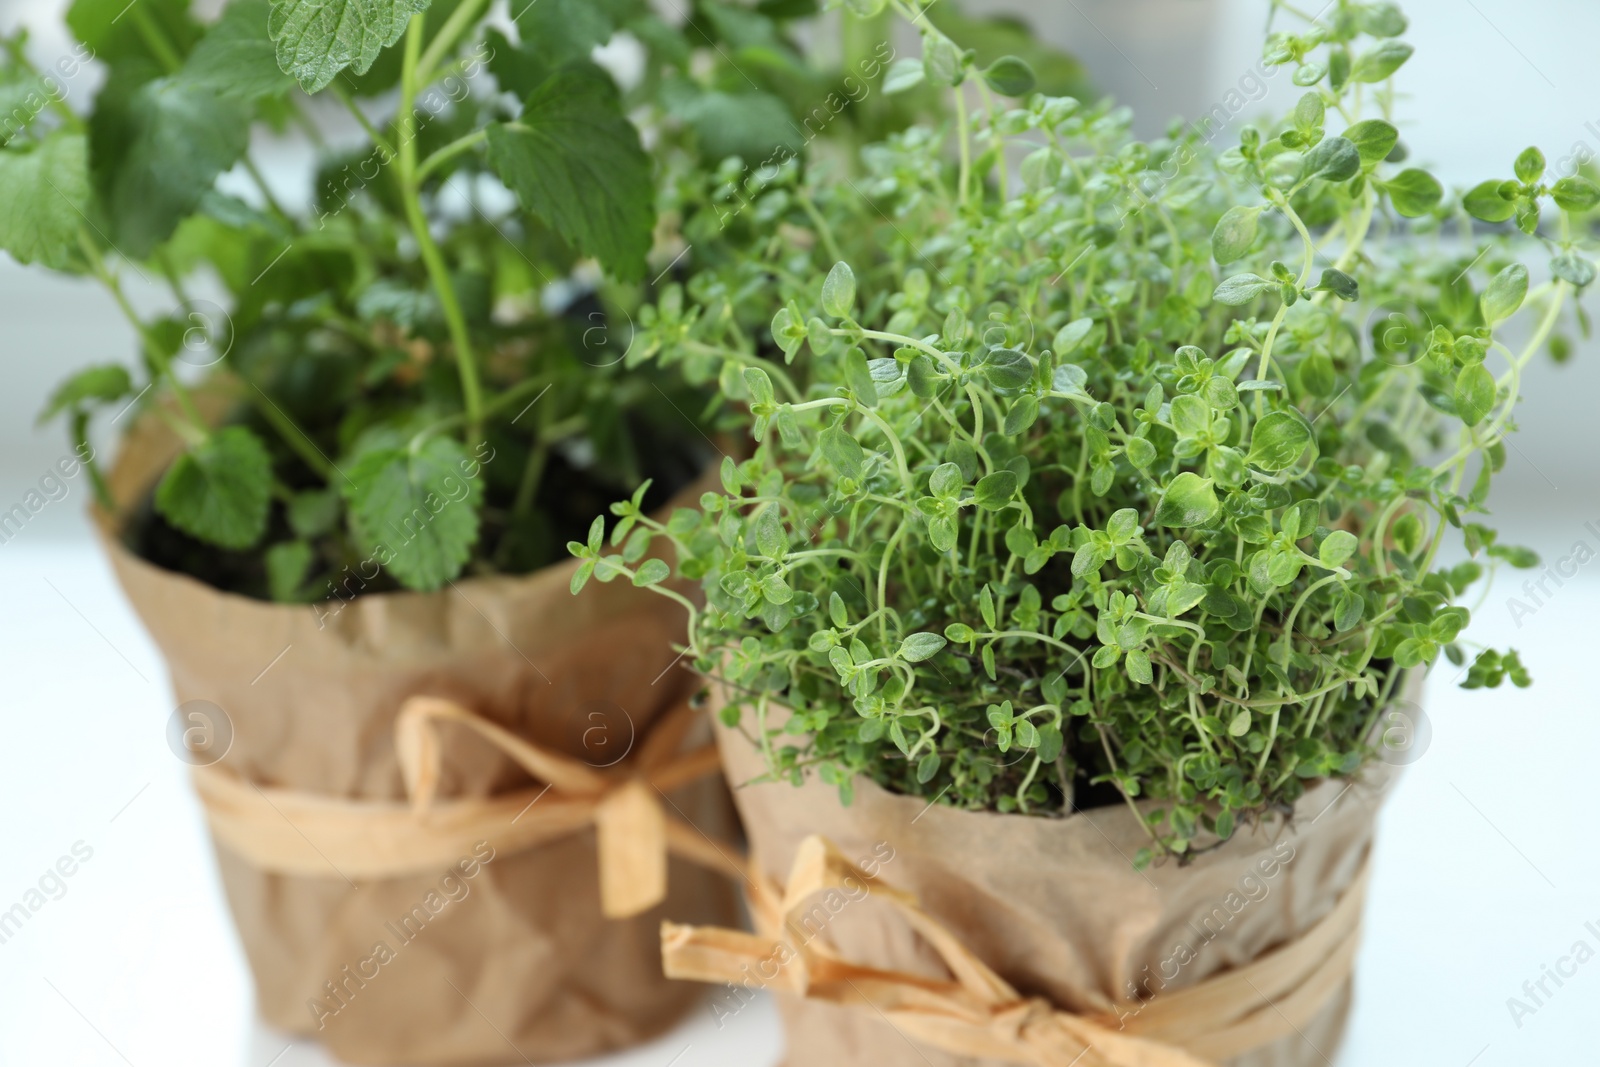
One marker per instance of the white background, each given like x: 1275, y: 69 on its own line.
x: 1486, y: 868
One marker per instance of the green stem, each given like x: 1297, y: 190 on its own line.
x: 453, y: 28
x: 165, y: 53
x: 450, y: 151
x: 158, y: 362
x: 366, y: 124
x: 266, y: 192
x: 824, y: 231
x: 965, y: 146
x: 293, y: 435
x: 80, y: 442
x: 438, y: 272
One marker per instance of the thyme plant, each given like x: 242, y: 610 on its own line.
x: 1088, y: 469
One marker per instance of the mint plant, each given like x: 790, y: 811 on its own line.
x: 416, y: 372
x: 1088, y: 470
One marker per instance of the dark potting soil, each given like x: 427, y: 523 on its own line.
x: 567, y: 500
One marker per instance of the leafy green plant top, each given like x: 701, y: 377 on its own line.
x: 423, y: 362
x: 1090, y: 469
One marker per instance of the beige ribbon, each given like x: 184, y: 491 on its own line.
x: 305, y: 834
x: 977, y: 1013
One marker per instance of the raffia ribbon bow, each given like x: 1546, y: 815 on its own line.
x: 291, y: 832
x: 977, y: 1013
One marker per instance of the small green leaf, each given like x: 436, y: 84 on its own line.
x: 1339, y: 284
x: 1575, y: 193
x: 574, y: 160
x: 1278, y: 441
x: 219, y: 491
x: 1309, y: 111
x: 1050, y: 742
x: 994, y: 491
x: 1139, y: 667
x: 1007, y: 368
x: 1529, y: 166
x: 1010, y: 76
x: 858, y: 376
x: 1141, y: 453
x: 942, y: 60
x: 904, y: 73
x: 1485, y: 203
x: 580, y: 577
x: 1239, y: 725
x: 843, y: 452
x: 770, y: 539
x: 287, y: 563
x: 760, y: 386
x: 1024, y: 410
x: 44, y: 193
x: 313, y: 512
x: 1336, y: 548
x: 1374, y: 140
x: 98, y: 385
x: 1334, y: 159
x: 927, y: 767
x: 1189, y: 500
x: 921, y: 646
x: 1573, y: 268
x: 1381, y: 19
x: 1414, y: 192
x: 1347, y: 611
x: 1379, y: 63
x: 236, y: 58
x: 1234, y: 234
x: 1474, y: 395
x: 959, y: 632
x: 319, y: 38
x: 1505, y: 294
x: 837, y: 612
x: 1242, y: 288
x: 651, y: 572
x: 945, y: 481
x: 1224, y: 824
x: 415, y: 510
x: 839, y: 291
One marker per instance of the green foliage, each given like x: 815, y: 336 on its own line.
x: 219, y: 489
x: 574, y: 160
x: 179, y: 138
x: 237, y: 58
x: 317, y: 39
x: 1178, y: 527
x: 415, y: 504
x: 398, y: 344
x: 43, y: 191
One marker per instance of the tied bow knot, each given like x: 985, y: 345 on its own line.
x: 976, y: 1012
x: 291, y: 832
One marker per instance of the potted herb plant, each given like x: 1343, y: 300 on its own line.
x: 1089, y: 556
x: 350, y: 454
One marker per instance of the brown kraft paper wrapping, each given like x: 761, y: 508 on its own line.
x: 515, y: 960
x: 1055, y: 906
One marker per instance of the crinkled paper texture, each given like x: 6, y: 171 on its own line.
x: 526, y: 946
x: 1054, y: 905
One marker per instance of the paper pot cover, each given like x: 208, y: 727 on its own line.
x: 1055, y: 905
x: 501, y: 955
